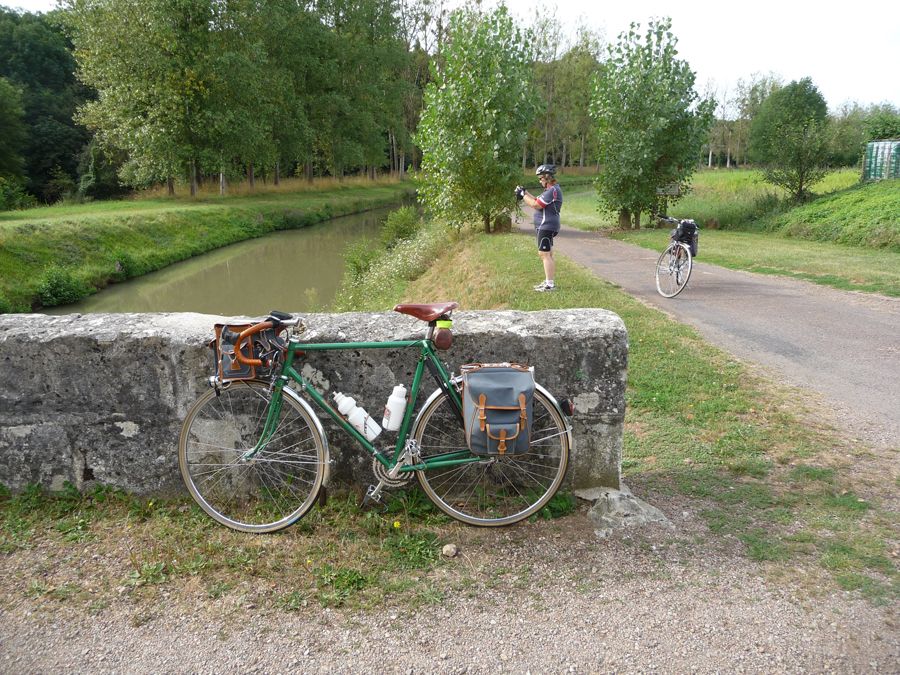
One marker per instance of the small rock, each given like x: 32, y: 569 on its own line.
x: 449, y: 550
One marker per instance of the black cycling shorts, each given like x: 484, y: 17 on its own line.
x: 545, y: 239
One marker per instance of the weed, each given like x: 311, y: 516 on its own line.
x: 804, y: 473
x: 415, y: 550
x: 561, y: 504
x: 148, y: 574
x: 337, y: 584
x: 293, y: 601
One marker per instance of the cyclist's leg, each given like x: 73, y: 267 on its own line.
x: 260, y: 492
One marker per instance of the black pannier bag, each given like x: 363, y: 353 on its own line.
x: 688, y: 233
x: 268, y: 346
x: 497, y: 407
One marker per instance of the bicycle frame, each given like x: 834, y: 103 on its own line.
x: 427, y: 357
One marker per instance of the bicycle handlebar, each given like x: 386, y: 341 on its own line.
x: 277, y: 320
x: 253, y: 330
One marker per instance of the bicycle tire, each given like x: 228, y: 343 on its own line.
x: 495, y: 491
x: 673, y: 269
x: 269, y: 491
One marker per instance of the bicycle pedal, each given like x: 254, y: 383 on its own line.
x: 373, y: 497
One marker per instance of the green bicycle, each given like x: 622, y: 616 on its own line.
x: 254, y: 455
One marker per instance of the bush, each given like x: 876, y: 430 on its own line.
x: 13, y: 196
x: 5, y: 305
x: 360, y: 256
x: 401, y: 225
x: 59, y: 286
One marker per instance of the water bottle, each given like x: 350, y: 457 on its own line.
x: 393, y: 411
x: 359, y: 419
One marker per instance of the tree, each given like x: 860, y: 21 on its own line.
x: 651, y: 123
x: 36, y: 57
x: 789, y: 138
x: 12, y: 141
x: 477, y: 112
x: 847, y: 135
x: 882, y: 122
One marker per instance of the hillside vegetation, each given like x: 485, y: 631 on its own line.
x: 865, y: 215
x: 57, y: 255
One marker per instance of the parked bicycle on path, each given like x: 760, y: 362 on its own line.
x: 673, y: 269
x: 254, y: 454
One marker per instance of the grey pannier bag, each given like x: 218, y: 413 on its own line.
x: 497, y: 407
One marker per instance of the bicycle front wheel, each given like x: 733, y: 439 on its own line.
x: 494, y: 490
x: 262, y: 492
x: 673, y: 269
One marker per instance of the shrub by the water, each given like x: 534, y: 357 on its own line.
x: 401, y: 225
x: 59, y: 286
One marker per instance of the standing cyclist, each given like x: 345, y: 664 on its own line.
x: 546, y: 220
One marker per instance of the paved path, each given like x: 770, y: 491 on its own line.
x: 843, y: 345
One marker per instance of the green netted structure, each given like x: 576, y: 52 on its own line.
x: 882, y: 160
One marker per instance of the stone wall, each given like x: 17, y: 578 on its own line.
x: 100, y: 397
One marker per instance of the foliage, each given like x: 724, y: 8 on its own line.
x: 60, y: 286
x: 882, y: 122
x: 387, y: 273
x: 13, y: 195
x: 789, y: 138
x: 847, y: 135
x: 651, y: 123
x: 36, y: 57
x: 400, y: 225
x: 13, y: 138
x: 239, y: 86
x: 477, y: 111
x: 563, y: 130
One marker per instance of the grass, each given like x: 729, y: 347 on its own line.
x: 849, y: 239
x: 837, y: 265
x: 56, y: 255
x: 698, y: 424
x: 725, y: 199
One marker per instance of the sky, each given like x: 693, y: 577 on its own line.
x: 851, y: 55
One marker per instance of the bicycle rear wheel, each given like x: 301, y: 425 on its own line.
x: 495, y: 490
x: 265, y: 492
x: 673, y: 269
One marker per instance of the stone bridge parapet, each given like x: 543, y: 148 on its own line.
x: 99, y: 398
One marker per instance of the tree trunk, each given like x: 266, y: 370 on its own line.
x: 251, y: 176
x: 709, y: 162
x: 170, y: 185
x: 487, y: 222
x: 193, y: 170
x: 222, y: 184
x: 637, y: 220
x: 565, y: 150
x: 624, y: 219
x: 277, y: 173
x: 308, y: 170
x: 728, y: 158
x: 581, y: 156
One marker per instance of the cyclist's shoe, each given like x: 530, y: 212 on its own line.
x: 544, y: 287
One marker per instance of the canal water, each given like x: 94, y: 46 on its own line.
x: 294, y: 271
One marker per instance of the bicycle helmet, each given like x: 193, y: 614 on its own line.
x: 549, y: 169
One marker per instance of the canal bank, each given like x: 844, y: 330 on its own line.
x: 59, y: 255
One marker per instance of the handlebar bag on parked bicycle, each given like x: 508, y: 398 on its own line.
x: 688, y: 233
x: 497, y: 407
x: 266, y: 345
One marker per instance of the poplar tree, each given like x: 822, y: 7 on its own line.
x: 478, y: 107
x: 651, y: 124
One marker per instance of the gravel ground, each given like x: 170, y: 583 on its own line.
x: 551, y: 597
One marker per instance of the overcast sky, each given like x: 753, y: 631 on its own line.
x: 851, y: 55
